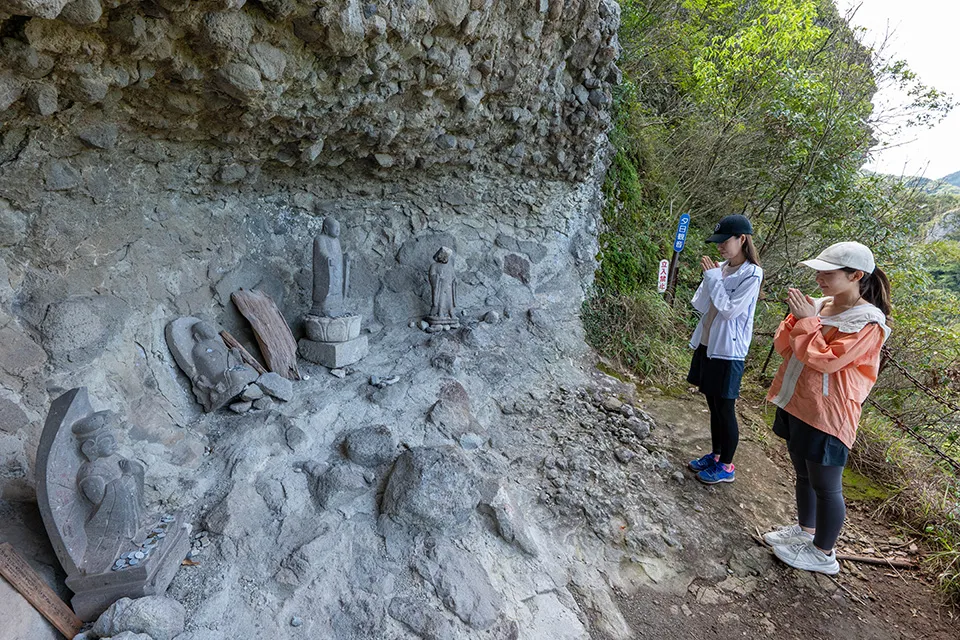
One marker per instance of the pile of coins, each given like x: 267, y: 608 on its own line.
x: 142, y: 553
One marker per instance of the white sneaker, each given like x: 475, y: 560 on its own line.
x: 791, y: 534
x: 807, y: 557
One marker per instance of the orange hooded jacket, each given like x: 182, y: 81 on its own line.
x: 830, y: 364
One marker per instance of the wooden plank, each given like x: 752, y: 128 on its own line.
x: 273, y: 333
x: 24, y: 579
x: 248, y: 358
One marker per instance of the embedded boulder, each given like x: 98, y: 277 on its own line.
x: 431, y: 489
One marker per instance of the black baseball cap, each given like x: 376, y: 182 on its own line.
x: 735, y: 225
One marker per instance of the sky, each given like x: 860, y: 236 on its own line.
x: 924, y: 33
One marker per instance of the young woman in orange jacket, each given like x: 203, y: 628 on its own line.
x: 831, y: 350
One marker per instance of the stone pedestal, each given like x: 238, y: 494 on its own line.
x: 334, y: 354
x: 341, y: 329
x: 137, y: 577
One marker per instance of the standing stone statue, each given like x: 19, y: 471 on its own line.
x: 333, y: 334
x: 111, y: 485
x: 91, y: 501
x: 217, y: 374
x: 331, y: 272
x: 443, y: 292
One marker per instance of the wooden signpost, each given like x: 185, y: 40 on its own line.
x: 32, y: 587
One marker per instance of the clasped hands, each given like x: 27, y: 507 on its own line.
x: 800, y: 304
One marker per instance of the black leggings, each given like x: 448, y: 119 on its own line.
x: 820, y: 500
x: 724, y: 430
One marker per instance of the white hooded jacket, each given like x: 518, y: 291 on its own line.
x: 735, y: 298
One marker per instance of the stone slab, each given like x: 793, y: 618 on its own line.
x: 334, y: 354
x: 94, y: 593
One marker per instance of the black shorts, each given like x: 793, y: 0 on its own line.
x: 715, y: 377
x: 809, y: 442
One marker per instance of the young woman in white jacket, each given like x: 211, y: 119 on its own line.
x: 726, y: 300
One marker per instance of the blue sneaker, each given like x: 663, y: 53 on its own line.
x: 704, y: 463
x: 716, y: 474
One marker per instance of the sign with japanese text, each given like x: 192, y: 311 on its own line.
x: 662, y: 275
x: 681, y: 238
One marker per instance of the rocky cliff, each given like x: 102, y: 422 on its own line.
x: 158, y: 156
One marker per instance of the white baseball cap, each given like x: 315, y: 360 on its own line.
x: 843, y: 254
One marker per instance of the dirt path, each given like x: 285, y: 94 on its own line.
x: 756, y: 596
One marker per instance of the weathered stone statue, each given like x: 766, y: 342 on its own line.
x: 443, y: 292
x: 111, y: 485
x: 218, y: 374
x: 333, y: 334
x: 91, y: 501
x: 331, y: 272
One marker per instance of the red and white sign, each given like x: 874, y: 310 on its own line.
x: 662, y: 276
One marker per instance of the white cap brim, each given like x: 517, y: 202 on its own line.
x: 821, y: 265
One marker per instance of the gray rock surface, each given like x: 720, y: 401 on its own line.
x: 276, y: 386
x: 431, y: 489
x: 507, y: 81
x: 337, y: 485
x: 158, y: 617
x: 462, y: 584
x: 370, y: 446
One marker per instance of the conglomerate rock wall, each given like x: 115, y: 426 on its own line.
x: 156, y: 157
x: 395, y: 83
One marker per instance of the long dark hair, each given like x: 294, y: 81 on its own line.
x: 749, y: 250
x: 875, y: 289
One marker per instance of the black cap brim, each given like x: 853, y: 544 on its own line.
x: 720, y: 237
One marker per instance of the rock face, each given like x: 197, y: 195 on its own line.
x: 157, y: 157
x: 391, y: 84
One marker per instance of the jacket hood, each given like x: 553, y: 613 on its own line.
x: 855, y: 318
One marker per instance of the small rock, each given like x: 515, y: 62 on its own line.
x: 370, y: 446
x: 275, y: 385
x: 296, y: 621
x: 639, y: 427
x: 338, y: 373
x: 100, y: 136
x: 624, y: 455
x: 252, y: 392
x: 612, y: 404
x: 42, y: 99
x: 491, y: 317
x: 678, y: 477
x: 423, y: 325
x: 241, y: 407
x: 82, y: 12
x: 11, y: 88
x: 239, y: 80
x: 471, y: 441
x: 231, y: 173
x: 159, y: 617
x: 262, y: 404
x: 383, y: 159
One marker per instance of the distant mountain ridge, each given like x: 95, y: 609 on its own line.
x: 953, y: 179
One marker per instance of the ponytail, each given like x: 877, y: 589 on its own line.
x: 875, y: 289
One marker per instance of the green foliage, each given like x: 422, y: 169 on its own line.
x: 765, y: 108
